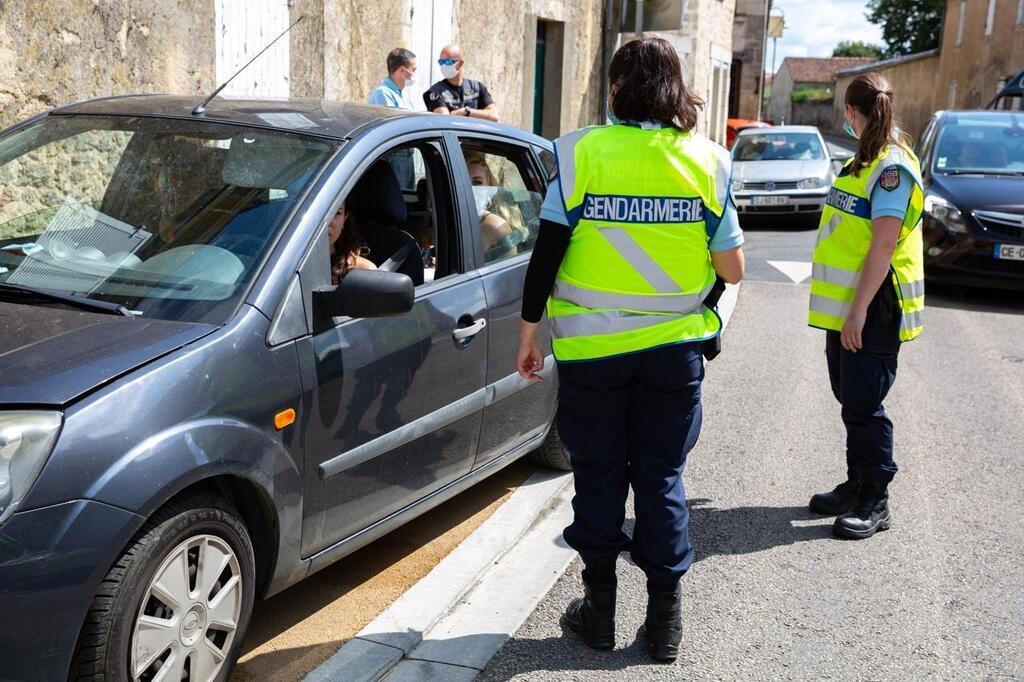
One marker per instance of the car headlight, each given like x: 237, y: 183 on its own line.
x: 944, y: 213
x: 811, y: 183
x: 26, y: 439
x: 737, y: 185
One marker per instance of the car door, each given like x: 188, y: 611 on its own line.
x: 506, y: 181
x: 393, y: 404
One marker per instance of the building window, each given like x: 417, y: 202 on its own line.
x: 1020, y: 13
x: 952, y: 95
x: 990, y: 19
x: 960, y: 25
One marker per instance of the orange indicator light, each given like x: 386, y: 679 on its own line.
x: 284, y: 418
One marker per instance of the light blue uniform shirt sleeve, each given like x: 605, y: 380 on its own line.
x: 728, y: 234
x: 892, y: 203
x: 553, y: 209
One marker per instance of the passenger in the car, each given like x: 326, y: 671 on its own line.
x: 501, y: 222
x: 348, y: 250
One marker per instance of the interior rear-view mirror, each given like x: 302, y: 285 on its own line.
x: 366, y: 293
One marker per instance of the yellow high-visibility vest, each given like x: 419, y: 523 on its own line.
x: 844, y: 238
x: 637, y: 268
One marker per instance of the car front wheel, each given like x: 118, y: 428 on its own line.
x: 176, y: 604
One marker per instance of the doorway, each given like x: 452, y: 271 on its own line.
x: 547, y: 78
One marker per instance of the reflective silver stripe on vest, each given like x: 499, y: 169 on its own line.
x: 610, y: 322
x: 829, y: 306
x: 589, y: 298
x: 912, y: 320
x: 912, y: 289
x: 565, y: 148
x: 828, y: 228
x: 833, y: 275
x: 641, y: 261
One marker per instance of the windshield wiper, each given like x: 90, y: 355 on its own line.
x: 70, y: 299
x: 968, y: 171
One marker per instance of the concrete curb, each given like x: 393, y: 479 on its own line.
x: 396, y: 632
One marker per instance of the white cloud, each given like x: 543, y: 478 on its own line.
x: 815, y: 27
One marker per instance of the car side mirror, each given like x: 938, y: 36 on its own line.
x: 366, y: 293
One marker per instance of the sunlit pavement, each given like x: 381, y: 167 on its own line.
x: 772, y: 594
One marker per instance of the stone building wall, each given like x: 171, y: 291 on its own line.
x: 780, y: 106
x: 913, y: 82
x: 56, y: 53
x: 748, y: 38
x: 969, y: 74
x: 53, y: 53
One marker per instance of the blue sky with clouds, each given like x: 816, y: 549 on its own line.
x: 814, y: 27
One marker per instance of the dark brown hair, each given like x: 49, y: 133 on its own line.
x: 649, y: 82
x: 350, y: 243
x: 872, y: 96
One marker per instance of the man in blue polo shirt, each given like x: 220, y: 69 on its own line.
x: 401, y: 74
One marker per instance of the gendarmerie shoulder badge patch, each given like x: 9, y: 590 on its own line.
x: 890, y: 179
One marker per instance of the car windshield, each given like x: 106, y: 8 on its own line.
x: 167, y: 218
x: 984, y: 144
x: 778, y: 147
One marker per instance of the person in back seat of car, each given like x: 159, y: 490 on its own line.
x: 501, y: 221
x: 347, y: 248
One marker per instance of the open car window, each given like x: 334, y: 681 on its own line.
x: 507, y: 195
x: 167, y: 218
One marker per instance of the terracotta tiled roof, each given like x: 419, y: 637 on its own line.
x: 821, y: 69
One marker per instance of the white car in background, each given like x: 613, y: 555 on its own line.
x: 782, y: 172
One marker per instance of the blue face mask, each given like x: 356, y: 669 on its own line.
x: 612, y: 117
x: 848, y: 129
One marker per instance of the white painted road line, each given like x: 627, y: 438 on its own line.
x: 797, y: 271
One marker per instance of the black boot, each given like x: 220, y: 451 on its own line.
x: 663, y: 626
x: 870, y: 514
x: 593, y: 616
x: 841, y: 500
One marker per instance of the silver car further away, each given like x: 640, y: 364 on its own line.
x: 781, y: 172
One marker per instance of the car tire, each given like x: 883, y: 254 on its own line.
x: 552, y: 453
x: 157, y: 591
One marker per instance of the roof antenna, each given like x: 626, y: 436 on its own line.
x: 201, y: 109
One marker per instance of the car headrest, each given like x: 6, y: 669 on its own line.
x: 377, y: 197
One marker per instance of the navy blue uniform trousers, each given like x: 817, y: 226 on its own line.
x: 626, y: 421
x: 860, y: 382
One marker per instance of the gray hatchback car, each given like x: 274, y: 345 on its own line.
x: 194, y: 413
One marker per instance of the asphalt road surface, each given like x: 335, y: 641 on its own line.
x: 772, y: 594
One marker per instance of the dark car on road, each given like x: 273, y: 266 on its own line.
x: 193, y: 414
x: 973, y: 170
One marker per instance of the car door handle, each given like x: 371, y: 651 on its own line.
x: 463, y: 333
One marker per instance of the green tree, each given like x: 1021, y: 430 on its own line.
x: 858, y: 48
x: 908, y: 26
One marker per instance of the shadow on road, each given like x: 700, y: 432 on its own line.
x: 974, y: 299
x: 744, y: 530
x: 786, y: 224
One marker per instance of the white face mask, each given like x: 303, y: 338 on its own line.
x: 410, y: 78
x: 449, y: 71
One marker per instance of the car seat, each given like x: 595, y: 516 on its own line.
x: 377, y: 202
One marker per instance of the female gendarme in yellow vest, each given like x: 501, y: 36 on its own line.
x: 633, y: 233
x: 867, y: 292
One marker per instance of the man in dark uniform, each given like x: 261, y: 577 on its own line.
x: 456, y: 94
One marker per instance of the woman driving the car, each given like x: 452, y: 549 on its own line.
x: 348, y: 252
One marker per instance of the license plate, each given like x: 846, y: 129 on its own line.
x: 1009, y: 251
x: 769, y: 200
